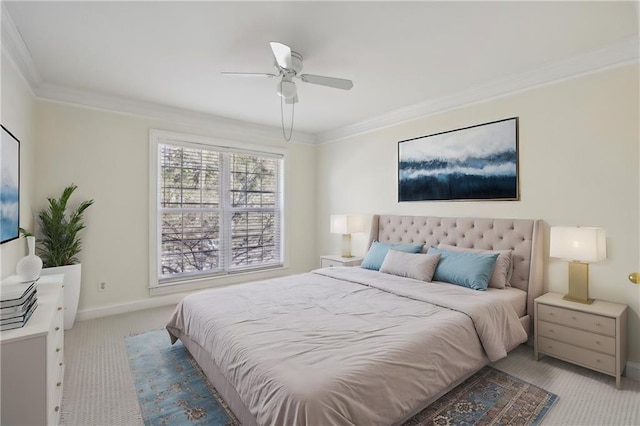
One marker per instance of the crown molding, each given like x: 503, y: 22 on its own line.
x: 227, y: 126
x: 621, y: 53
x: 618, y: 54
x: 16, y: 49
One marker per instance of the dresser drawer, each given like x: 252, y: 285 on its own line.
x: 584, y: 339
x: 327, y: 263
x: 580, y: 320
x: 585, y: 357
x: 55, y: 350
x: 31, y: 365
x: 55, y: 404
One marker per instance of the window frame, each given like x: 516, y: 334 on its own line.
x: 224, y: 277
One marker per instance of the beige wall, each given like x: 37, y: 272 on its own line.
x: 578, y: 149
x: 19, y: 117
x: 107, y: 155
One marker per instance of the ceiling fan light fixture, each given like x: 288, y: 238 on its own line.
x: 288, y: 65
x: 287, y: 89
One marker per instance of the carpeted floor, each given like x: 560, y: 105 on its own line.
x: 173, y: 390
x: 99, y: 387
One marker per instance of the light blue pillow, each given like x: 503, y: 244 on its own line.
x: 378, y: 251
x: 471, y: 270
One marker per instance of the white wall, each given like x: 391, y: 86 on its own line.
x: 107, y: 155
x: 578, y: 150
x: 18, y: 115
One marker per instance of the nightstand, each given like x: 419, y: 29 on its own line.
x: 335, y: 260
x: 592, y: 336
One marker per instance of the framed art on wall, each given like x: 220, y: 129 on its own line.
x: 9, y: 187
x: 473, y: 163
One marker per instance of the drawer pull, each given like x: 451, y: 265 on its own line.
x: 57, y: 328
x: 57, y: 408
x: 597, y: 324
x: 59, y: 308
x: 572, y: 317
x: 58, y: 349
x: 59, y: 384
x: 60, y: 364
x: 598, y: 361
x: 550, y: 331
x: 597, y: 342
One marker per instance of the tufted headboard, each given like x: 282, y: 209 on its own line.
x: 522, y: 236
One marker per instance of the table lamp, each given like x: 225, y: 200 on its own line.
x: 346, y: 225
x: 580, y: 246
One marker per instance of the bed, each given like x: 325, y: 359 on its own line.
x: 345, y: 346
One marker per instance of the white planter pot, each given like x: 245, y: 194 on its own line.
x: 72, y: 279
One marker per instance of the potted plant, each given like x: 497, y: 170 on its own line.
x: 59, y: 246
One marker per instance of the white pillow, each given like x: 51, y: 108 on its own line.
x: 502, y: 270
x: 418, y: 266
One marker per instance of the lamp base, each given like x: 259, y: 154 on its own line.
x: 346, y: 245
x: 571, y: 299
x: 578, y: 283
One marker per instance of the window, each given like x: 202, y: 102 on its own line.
x: 218, y: 210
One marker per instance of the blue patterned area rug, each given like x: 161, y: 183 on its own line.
x: 171, y: 387
x: 173, y: 390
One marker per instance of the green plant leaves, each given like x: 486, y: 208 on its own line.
x: 61, y: 242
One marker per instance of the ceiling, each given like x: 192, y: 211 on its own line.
x: 398, y: 54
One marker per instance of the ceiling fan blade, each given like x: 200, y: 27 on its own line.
x: 338, y: 83
x: 293, y: 100
x: 282, y: 53
x: 249, y: 74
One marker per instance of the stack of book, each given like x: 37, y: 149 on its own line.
x: 17, y: 302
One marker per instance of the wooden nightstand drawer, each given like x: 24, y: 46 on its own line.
x: 584, y: 339
x: 325, y: 263
x: 332, y: 260
x: 585, y: 357
x: 583, y: 321
x: 591, y: 335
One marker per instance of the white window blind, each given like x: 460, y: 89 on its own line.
x: 219, y: 210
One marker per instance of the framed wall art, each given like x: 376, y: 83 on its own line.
x: 473, y: 163
x: 9, y: 187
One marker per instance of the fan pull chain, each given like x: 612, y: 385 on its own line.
x: 293, y: 109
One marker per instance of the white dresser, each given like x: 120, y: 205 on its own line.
x: 593, y: 336
x: 32, y: 361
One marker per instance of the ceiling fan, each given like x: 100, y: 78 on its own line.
x: 288, y: 65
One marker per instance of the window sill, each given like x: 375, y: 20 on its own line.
x: 213, y: 281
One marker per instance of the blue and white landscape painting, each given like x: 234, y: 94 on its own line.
x: 9, y: 189
x: 474, y: 163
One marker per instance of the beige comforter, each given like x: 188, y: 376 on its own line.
x: 343, y: 346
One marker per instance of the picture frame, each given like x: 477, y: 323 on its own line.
x: 9, y: 187
x: 475, y: 163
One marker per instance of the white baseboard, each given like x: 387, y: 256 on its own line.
x: 137, y: 305
x: 633, y: 371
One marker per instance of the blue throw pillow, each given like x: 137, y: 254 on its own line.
x: 378, y: 251
x: 471, y: 270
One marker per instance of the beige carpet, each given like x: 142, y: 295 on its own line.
x: 99, y: 389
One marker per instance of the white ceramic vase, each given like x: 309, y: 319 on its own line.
x: 29, y: 267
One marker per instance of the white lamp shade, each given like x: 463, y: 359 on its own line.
x: 581, y: 244
x: 346, y: 224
